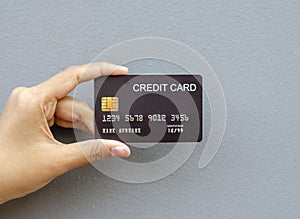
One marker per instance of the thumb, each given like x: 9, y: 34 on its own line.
x: 81, y: 153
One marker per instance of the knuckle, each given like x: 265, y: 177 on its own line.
x: 84, y: 104
x: 23, y: 100
x: 23, y: 96
x: 77, y: 116
x: 78, y: 111
x: 72, y: 68
x: 98, y: 151
x: 17, y: 91
x: 103, y: 63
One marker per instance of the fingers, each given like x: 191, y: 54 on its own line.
x: 63, y: 83
x: 81, y: 153
x: 65, y: 124
x: 74, y: 113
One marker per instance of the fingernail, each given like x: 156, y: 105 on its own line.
x: 119, y: 151
x: 123, y: 68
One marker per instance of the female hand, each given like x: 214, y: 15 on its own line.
x: 30, y: 157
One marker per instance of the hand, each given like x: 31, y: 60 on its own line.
x: 30, y: 157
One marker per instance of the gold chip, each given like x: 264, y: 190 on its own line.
x: 110, y: 104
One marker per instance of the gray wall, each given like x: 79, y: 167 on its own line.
x: 254, y: 48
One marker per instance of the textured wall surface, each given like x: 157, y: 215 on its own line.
x: 254, y: 48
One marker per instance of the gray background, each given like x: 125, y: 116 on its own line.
x: 254, y: 48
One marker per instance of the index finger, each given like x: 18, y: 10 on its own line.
x: 64, y: 82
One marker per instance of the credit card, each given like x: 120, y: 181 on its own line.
x: 149, y: 108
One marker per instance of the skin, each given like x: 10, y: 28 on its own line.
x: 30, y: 157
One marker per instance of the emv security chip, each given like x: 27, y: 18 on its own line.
x: 109, y: 104
x: 149, y: 108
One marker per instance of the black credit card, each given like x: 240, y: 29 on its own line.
x: 149, y: 108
